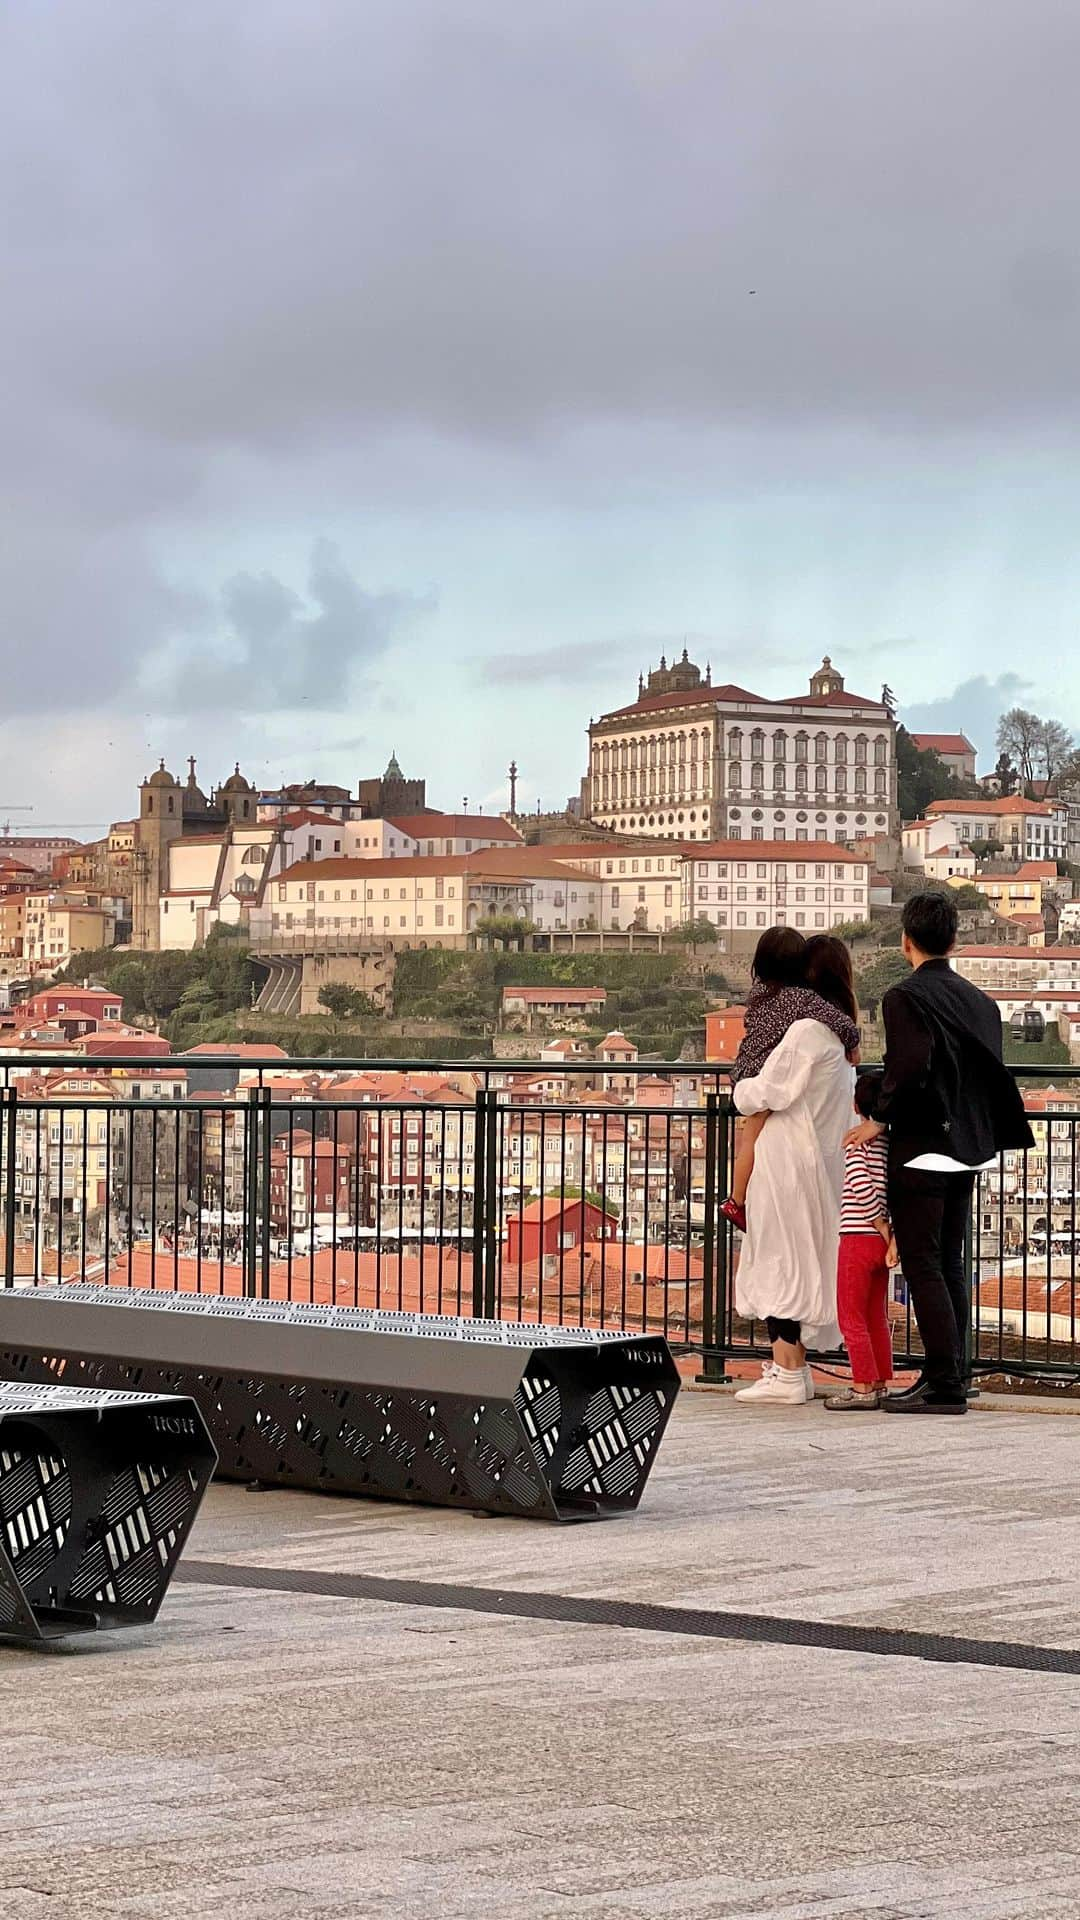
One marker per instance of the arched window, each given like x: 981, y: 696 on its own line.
x: 879, y: 750
x: 840, y: 749
x: 693, y: 744
x: 821, y: 746
x: 860, y: 749
x: 757, y: 743
x: 734, y: 742
x: 172, y: 804
x: 682, y: 749
x: 802, y: 746
x: 652, y: 751
x: 149, y: 803
x: 779, y: 744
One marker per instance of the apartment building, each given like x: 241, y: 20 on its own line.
x: 1023, y: 829
x: 436, y: 901
x: 688, y: 760
x: 996, y: 968
x: 59, y: 923
x: 1019, y: 895
x: 744, y: 889
x: 642, y: 882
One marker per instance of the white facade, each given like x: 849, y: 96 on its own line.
x: 691, y: 761
x: 1024, y: 829
x: 950, y: 863
x: 642, y: 885
x: 745, y: 889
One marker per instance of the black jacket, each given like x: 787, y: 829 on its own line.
x: 945, y: 1088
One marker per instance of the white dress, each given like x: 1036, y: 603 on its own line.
x: 788, y: 1262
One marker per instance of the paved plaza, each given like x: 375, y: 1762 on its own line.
x: 272, y: 1754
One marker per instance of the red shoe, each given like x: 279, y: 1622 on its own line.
x: 731, y: 1210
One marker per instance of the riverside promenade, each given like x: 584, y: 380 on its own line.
x: 353, y: 1709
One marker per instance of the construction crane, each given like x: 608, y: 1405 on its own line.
x: 5, y: 810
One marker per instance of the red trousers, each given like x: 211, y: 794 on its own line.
x: 862, y: 1291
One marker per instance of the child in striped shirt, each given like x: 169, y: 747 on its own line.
x: 867, y: 1251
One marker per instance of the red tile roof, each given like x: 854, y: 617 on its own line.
x: 692, y: 697
x: 1014, y: 803
x: 955, y: 743
x: 456, y: 826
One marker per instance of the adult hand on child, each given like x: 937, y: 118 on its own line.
x: 866, y: 1131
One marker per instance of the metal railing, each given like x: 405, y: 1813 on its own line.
x: 464, y: 1195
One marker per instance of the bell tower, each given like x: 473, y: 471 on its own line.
x: 160, y: 823
x: 826, y: 680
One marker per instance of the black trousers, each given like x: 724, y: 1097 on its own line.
x: 929, y: 1215
x: 789, y: 1330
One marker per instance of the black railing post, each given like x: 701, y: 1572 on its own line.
x: 714, y: 1243
x: 493, y: 1169
x: 265, y: 1097
x: 478, y: 1200
x: 10, y: 1100
x: 251, y: 1195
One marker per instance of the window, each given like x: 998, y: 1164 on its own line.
x: 740, y: 893
x: 740, y: 919
x: 800, y: 893
x: 761, y: 893
x: 761, y: 919
x: 757, y: 833
x: 819, y: 919
x: 702, y: 894
x: 819, y: 873
x: 740, y: 873
x: 819, y: 893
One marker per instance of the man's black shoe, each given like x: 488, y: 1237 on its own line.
x: 906, y: 1393
x: 921, y: 1399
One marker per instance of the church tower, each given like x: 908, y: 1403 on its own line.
x: 826, y: 680
x: 161, y: 802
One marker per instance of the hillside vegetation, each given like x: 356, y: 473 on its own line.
x: 206, y: 996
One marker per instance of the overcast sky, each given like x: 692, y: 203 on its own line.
x: 408, y: 374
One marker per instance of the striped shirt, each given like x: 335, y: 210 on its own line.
x: 865, y: 1194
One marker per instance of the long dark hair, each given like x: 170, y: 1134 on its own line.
x: 828, y: 972
x: 780, y: 959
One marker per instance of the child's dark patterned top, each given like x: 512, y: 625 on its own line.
x: 769, y: 1014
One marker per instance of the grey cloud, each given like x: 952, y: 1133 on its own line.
x: 263, y: 235
x: 974, y: 708
x: 280, y: 652
x: 590, y: 660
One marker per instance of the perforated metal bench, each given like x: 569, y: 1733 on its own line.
x: 548, y: 1422
x: 98, y: 1492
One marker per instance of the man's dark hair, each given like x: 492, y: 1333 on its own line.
x: 780, y: 958
x: 930, y: 921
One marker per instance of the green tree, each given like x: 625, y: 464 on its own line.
x: 695, y: 933
x: 344, y: 1002
x: 873, y: 981
x: 921, y: 777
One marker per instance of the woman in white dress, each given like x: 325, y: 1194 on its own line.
x: 787, y: 1271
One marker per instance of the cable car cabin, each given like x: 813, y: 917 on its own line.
x: 1029, y: 1024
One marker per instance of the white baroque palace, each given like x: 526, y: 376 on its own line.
x: 693, y: 761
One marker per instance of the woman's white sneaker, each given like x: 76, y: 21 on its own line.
x: 777, y: 1388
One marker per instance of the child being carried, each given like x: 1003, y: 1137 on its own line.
x: 793, y: 979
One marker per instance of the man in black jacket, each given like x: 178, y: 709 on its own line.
x: 951, y: 1106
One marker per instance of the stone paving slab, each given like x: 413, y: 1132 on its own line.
x: 275, y: 1756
